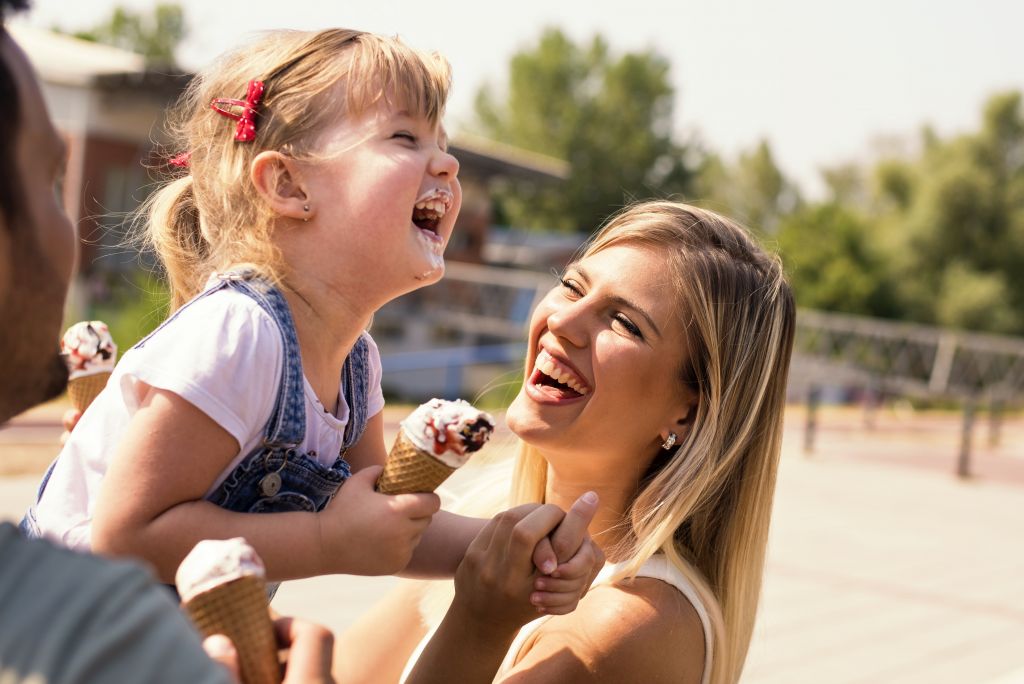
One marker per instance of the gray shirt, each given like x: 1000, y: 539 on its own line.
x: 68, y: 617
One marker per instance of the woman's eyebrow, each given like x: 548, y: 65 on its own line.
x: 622, y: 301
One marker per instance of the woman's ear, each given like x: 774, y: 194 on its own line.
x: 682, y: 421
x: 278, y: 180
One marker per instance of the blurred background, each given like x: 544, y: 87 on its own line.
x: 877, y: 146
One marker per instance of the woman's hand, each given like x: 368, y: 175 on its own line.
x: 495, y: 580
x: 579, y: 560
x: 363, y: 532
x: 310, y: 650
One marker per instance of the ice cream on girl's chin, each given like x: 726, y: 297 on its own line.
x: 450, y: 430
x: 88, y: 348
x: 213, y: 562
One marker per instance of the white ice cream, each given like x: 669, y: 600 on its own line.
x: 449, y: 430
x: 88, y: 348
x: 213, y: 562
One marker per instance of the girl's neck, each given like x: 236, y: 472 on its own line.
x: 609, y: 528
x: 327, y: 323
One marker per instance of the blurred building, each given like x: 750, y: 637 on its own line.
x: 111, y: 110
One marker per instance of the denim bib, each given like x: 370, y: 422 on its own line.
x: 276, y: 476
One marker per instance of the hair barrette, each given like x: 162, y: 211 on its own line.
x: 182, y: 160
x: 245, y: 131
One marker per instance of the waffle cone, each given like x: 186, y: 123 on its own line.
x: 83, y: 390
x: 238, y: 609
x: 410, y: 469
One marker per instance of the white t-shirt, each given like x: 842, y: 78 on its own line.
x: 223, y: 354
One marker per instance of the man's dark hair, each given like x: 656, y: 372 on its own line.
x: 11, y: 197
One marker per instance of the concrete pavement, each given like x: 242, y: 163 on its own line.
x: 883, y: 567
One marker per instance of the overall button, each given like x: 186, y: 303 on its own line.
x: 270, y: 484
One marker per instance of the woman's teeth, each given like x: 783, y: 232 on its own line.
x: 547, y: 365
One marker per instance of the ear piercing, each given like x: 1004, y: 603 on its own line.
x: 305, y: 208
x: 670, y: 441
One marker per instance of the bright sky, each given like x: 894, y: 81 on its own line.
x: 824, y: 81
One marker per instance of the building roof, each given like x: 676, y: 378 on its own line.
x: 491, y: 157
x: 67, y: 60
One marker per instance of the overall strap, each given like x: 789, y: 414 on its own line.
x: 355, y: 378
x: 287, y: 424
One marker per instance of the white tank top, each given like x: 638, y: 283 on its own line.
x: 657, y: 567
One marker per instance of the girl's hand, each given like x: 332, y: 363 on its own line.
x: 363, y: 532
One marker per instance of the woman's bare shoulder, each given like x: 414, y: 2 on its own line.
x: 644, y: 630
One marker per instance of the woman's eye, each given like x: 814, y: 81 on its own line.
x: 572, y: 287
x: 629, y: 326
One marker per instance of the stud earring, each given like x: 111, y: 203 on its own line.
x: 305, y: 208
x: 670, y: 441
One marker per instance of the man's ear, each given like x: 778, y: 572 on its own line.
x: 278, y: 180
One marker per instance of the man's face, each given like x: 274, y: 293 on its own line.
x: 37, y: 254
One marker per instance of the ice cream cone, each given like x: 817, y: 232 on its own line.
x: 411, y: 469
x: 238, y: 609
x: 83, y: 389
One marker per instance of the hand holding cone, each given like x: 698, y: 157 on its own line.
x: 223, y: 590
x: 90, y: 354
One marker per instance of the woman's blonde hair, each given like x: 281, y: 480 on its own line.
x: 707, y: 504
x: 211, y: 218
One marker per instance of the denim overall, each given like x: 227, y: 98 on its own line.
x: 276, y: 477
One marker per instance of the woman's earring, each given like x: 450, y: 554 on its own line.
x: 670, y: 441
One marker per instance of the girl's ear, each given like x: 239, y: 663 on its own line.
x: 278, y: 180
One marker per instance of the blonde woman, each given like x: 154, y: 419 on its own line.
x: 656, y: 378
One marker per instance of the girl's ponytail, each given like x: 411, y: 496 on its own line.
x: 175, y: 234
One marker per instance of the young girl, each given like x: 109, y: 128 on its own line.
x: 301, y: 209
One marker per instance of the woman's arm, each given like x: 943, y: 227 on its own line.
x: 378, y: 645
x: 644, y: 631
x: 151, y: 504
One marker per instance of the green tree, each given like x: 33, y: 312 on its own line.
x: 609, y: 116
x: 833, y: 263
x: 958, y: 214
x: 753, y: 190
x: 155, y: 35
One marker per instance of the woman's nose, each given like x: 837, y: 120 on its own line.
x: 568, y: 321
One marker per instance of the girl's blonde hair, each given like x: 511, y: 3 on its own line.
x: 707, y: 504
x: 212, y: 218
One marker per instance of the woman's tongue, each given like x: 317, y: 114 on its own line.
x: 552, y: 387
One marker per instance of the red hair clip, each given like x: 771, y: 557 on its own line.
x: 246, y: 129
x: 182, y: 160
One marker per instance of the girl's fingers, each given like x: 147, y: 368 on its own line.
x: 544, y: 558
x: 552, y: 585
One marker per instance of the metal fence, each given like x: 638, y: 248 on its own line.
x: 477, y: 316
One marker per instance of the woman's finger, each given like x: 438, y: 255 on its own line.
x: 527, y: 533
x: 569, y: 536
